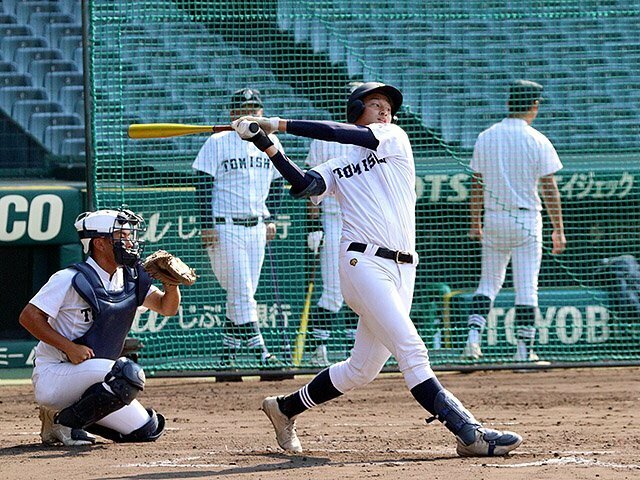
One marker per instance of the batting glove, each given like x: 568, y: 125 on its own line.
x: 314, y: 241
x: 268, y: 125
x: 251, y: 132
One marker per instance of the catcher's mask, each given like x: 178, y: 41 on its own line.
x: 123, y: 227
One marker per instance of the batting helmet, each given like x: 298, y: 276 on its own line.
x: 355, y: 105
x: 103, y: 223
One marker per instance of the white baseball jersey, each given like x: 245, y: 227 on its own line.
x: 68, y: 313
x: 243, y: 175
x: 320, y: 152
x: 512, y: 156
x: 375, y: 190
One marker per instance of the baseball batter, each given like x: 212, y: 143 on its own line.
x: 81, y: 317
x: 375, y: 187
x: 510, y: 160
x: 234, y: 181
x: 325, y: 225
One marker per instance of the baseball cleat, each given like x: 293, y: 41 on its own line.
x: 472, y: 351
x: 489, y: 443
x: 46, y: 429
x: 72, y: 437
x: 284, y: 426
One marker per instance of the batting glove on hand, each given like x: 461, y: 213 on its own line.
x: 246, y: 129
x: 268, y: 125
x: 314, y: 241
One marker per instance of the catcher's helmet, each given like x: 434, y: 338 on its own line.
x: 355, y: 105
x: 103, y: 223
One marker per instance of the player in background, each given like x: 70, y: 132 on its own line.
x: 81, y: 317
x: 375, y: 187
x: 323, y: 240
x: 510, y: 160
x: 234, y: 180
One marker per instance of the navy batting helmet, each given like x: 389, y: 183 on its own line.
x: 355, y: 105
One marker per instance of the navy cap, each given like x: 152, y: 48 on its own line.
x: 244, y: 98
x: 522, y: 94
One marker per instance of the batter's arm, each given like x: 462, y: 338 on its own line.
x: 476, y: 205
x: 35, y: 322
x: 551, y: 197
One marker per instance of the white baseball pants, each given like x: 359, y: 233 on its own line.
x: 517, y: 236
x: 331, y: 298
x: 236, y: 261
x: 380, y: 291
x: 58, y: 385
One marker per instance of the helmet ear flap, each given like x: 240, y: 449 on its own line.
x: 354, y: 110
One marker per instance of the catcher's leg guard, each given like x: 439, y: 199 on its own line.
x: 149, y: 432
x: 120, y: 387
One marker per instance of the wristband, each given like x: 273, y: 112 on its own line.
x: 262, y: 141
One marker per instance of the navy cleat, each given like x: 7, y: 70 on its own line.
x: 489, y: 443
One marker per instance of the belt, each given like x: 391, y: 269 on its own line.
x: 243, y: 222
x: 397, y: 256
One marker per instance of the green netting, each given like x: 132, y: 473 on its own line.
x: 180, y: 61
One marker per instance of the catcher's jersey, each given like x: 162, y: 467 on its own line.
x: 375, y: 190
x: 321, y: 151
x: 242, y: 173
x: 512, y: 156
x: 68, y: 313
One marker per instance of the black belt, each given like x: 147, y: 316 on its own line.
x: 243, y: 222
x: 397, y: 256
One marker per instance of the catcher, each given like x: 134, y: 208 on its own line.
x: 81, y: 317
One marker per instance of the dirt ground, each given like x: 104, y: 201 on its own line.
x: 577, y: 424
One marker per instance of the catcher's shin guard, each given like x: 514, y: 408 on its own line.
x: 120, y: 387
x: 149, y: 432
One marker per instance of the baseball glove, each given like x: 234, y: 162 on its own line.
x: 170, y: 270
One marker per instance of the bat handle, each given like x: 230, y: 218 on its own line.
x: 254, y: 127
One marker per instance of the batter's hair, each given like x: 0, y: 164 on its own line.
x: 523, y: 94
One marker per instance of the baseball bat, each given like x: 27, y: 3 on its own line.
x: 301, y: 337
x: 165, y: 130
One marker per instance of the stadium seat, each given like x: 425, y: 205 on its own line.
x: 11, y: 43
x: 8, y: 66
x: 23, y: 109
x: 25, y: 10
x: 54, y: 136
x: 39, y: 122
x: 54, y: 81
x: 12, y: 29
x: 73, y: 146
x: 68, y: 46
x: 7, y: 18
x: 41, y: 68
x: 57, y: 31
x: 10, y: 95
x: 40, y: 20
x: 69, y: 96
x: 25, y: 55
x: 14, y: 79
x: 277, y: 103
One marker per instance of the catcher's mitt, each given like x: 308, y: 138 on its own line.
x: 170, y: 270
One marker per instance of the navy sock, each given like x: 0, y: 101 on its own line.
x: 425, y: 393
x: 317, y: 391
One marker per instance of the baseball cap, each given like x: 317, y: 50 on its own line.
x: 245, y: 97
x: 522, y: 93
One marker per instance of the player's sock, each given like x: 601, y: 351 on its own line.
x: 317, y: 391
x: 425, y: 393
x: 526, y: 330
x: 480, y: 308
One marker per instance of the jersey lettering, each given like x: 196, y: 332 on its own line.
x: 86, y: 312
x: 244, y: 163
x: 367, y: 163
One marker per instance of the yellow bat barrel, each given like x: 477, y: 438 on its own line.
x: 164, y: 130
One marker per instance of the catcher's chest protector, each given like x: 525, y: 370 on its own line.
x: 113, y: 313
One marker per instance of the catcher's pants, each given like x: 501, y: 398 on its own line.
x: 514, y: 235
x: 380, y: 291
x: 58, y: 385
x: 236, y: 261
x: 331, y: 298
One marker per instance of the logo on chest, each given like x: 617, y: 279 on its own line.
x: 86, y: 312
x: 363, y: 166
